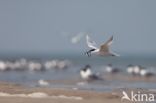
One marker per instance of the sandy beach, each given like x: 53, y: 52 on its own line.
x: 13, y: 93
x: 52, y: 95
x: 51, y: 100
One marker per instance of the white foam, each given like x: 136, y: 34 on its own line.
x: 33, y: 95
x: 68, y: 97
x: 39, y: 95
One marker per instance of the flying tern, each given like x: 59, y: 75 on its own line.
x: 103, y: 50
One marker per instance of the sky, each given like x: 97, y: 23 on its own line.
x: 46, y: 26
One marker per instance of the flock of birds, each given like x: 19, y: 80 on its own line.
x: 88, y: 75
x: 133, y: 70
x: 139, y: 71
x: 32, y: 65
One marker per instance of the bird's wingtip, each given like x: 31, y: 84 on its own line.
x: 115, y: 54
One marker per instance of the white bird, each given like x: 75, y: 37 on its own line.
x: 146, y: 73
x: 110, y: 69
x: 134, y: 70
x: 3, y: 66
x: 103, y: 50
x: 130, y: 69
x: 137, y: 69
x: 87, y: 74
x: 35, y: 66
x: 42, y: 82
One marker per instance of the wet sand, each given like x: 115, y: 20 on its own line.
x: 54, y: 95
x: 60, y: 95
x: 50, y: 100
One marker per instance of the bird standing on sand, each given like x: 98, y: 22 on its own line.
x: 134, y: 70
x: 103, y: 50
x: 109, y: 68
x: 146, y: 73
x: 130, y: 69
x: 87, y: 74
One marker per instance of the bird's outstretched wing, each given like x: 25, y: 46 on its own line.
x: 105, y: 47
x: 90, y: 42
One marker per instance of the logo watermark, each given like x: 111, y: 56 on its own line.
x: 138, y: 97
